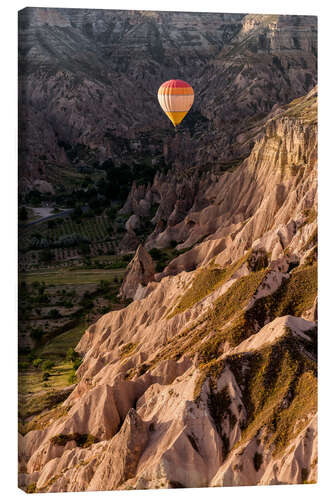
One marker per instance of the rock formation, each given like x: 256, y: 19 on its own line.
x: 140, y: 271
x: 88, y: 82
x: 209, y: 377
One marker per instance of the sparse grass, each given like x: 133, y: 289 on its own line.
x: 35, y: 404
x: 205, y: 281
x: 280, y: 373
x: 295, y: 296
x: 127, y: 349
x: 43, y: 420
x: 291, y: 419
x: 81, y: 440
x: 60, y: 344
x: 310, y: 215
x: 304, y: 108
x: 224, y: 308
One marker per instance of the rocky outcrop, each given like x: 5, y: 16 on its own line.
x: 209, y: 376
x: 140, y: 271
x: 88, y: 98
x: 252, y: 205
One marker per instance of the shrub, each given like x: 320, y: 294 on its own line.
x: 46, y: 256
x: 82, y: 440
x: 23, y: 214
x: 257, y: 460
x: 155, y: 253
x: 127, y: 349
x: 45, y: 376
x: 77, y: 363
x: 37, y: 362
x: 36, y: 333
x: 47, y: 365
x: 54, y: 314
x: 71, y: 354
x: 72, y: 377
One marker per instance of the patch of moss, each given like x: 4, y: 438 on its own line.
x: 82, y: 440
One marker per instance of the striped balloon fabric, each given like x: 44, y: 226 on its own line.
x: 176, y: 98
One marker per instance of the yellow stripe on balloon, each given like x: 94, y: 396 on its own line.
x: 176, y: 116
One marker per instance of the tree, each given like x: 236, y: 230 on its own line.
x: 46, y: 256
x: 23, y: 214
x: 47, y: 365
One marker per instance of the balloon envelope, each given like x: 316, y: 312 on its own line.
x: 176, y: 98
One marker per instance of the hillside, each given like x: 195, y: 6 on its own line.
x: 89, y: 78
x: 209, y: 377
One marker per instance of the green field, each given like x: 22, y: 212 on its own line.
x: 72, y: 276
x: 59, y: 345
x: 94, y: 292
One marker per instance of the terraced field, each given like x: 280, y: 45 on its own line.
x: 94, y: 229
x: 74, y: 276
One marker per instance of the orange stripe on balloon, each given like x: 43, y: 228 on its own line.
x: 176, y: 91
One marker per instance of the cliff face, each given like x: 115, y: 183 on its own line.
x: 210, y: 378
x: 88, y: 82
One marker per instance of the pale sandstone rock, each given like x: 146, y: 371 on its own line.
x: 140, y: 271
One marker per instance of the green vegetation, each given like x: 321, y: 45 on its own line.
x: 81, y: 440
x: 55, y: 308
x: 280, y: 372
x: 289, y: 420
x: 74, y: 276
x: 60, y: 344
x: 31, y: 488
x: 295, y: 296
x: 47, y: 365
x: 38, y: 402
x: 205, y: 281
x: 224, y: 308
x: 127, y: 349
x: 162, y: 257
x: 304, y: 108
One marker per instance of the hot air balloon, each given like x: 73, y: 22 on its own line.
x: 176, y: 98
